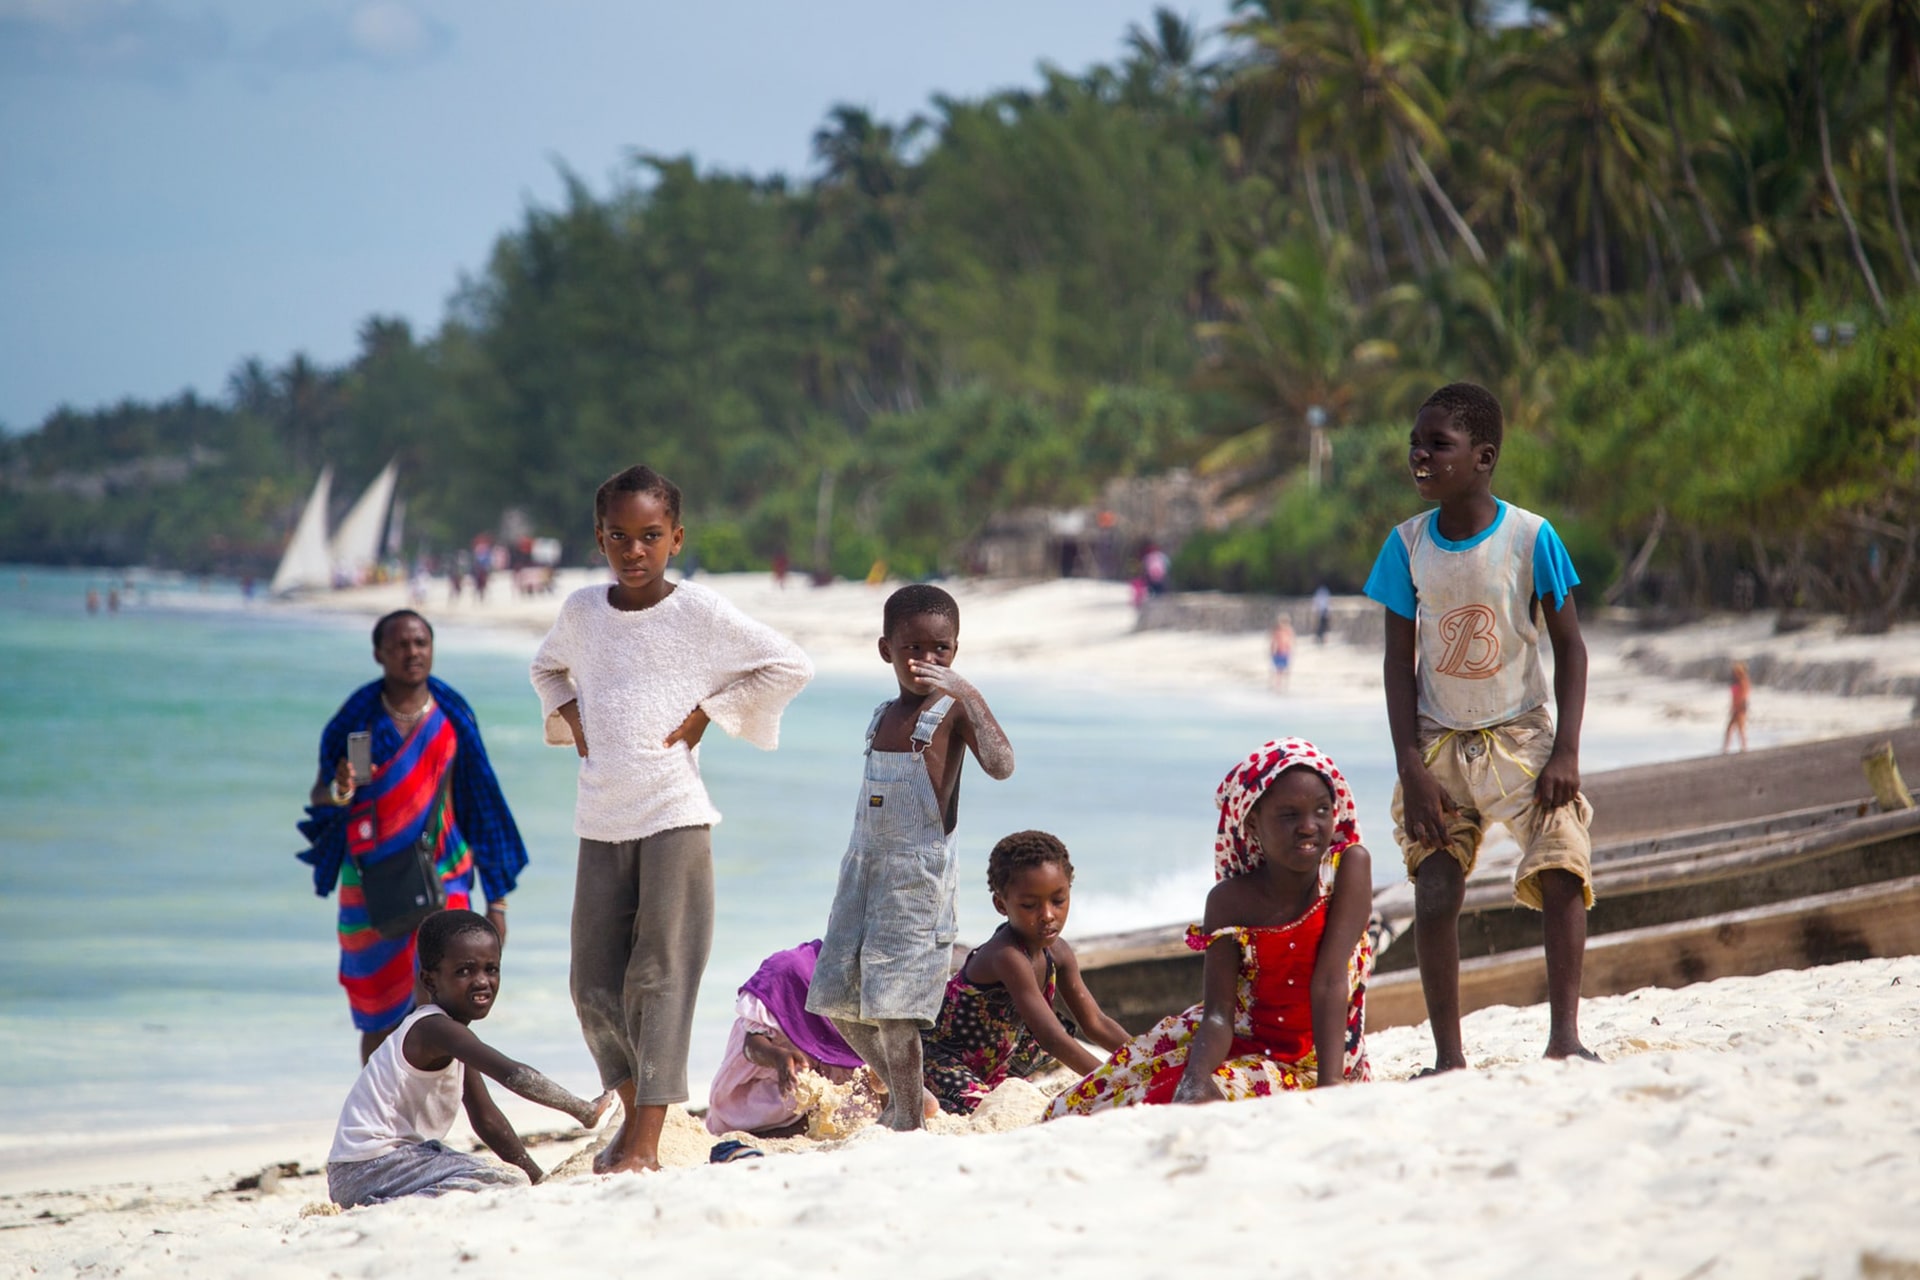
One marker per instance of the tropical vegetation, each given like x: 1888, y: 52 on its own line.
x: 1676, y: 237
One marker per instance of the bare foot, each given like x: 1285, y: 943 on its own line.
x: 604, y: 1158
x: 625, y: 1162
x: 1577, y: 1052
x: 600, y: 1106
x: 1437, y: 1068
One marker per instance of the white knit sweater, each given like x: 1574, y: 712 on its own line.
x: 637, y: 675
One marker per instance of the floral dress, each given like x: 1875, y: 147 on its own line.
x: 1272, y: 1048
x: 978, y: 1041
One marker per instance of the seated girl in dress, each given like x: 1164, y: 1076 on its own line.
x: 997, y: 1017
x: 1287, y: 954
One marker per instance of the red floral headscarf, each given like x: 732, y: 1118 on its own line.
x: 1235, y: 849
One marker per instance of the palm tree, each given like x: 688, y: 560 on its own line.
x: 1896, y: 24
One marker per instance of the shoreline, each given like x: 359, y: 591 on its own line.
x: 1779, y: 1052
x: 1810, y: 683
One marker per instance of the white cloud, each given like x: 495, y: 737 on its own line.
x: 138, y: 38
x: 389, y: 32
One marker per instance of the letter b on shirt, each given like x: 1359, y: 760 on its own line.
x: 1471, y: 643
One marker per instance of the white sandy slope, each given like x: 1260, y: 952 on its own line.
x: 1750, y: 1127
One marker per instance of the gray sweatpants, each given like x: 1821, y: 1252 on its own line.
x: 642, y: 931
x: 416, y: 1169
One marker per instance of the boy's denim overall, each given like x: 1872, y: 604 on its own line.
x: 886, y: 952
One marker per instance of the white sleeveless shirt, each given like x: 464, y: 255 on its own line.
x: 1479, y: 645
x: 394, y: 1103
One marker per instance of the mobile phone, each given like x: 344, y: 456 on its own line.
x: 360, y: 756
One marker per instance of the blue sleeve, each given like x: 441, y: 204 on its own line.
x: 1391, y: 582
x: 1553, y: 575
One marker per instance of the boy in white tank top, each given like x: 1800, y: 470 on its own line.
x: 1468, y: 589
x: 387, y: 1144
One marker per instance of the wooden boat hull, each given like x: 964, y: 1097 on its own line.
x: 1848, y: 924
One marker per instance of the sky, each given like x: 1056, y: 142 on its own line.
x: 186, y: 183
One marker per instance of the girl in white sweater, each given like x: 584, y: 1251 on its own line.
x: 630, y: 676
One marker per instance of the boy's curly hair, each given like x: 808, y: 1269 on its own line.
x: 442, y: 927
x: 1474, y: 408
x: 915, y: 599
x: 639, y: 478
x: 1023, y: 849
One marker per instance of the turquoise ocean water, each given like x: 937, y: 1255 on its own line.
x: 165, y: 966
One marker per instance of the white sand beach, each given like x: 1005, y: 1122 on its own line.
x: 1750, y: 1127
x: 1765, y: 1126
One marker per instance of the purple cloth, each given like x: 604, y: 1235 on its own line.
x: 781, y: 984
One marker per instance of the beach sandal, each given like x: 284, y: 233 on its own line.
x: 732, y: 1149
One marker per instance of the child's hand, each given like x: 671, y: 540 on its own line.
x: 600, y: 1105
x: 571, y: 714
x: 1196, y: 1089
x: 791, y: 1064
x: 1424, y: 807
x: 691, y: 729
x: 1559, y: 780
x: 940, y: 679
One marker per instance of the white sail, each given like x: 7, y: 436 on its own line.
x: 356, y: 543
x: 307, y: 562
x: 396, y: 526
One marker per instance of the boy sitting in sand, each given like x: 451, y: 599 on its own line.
x: 387, y: 1144
x: 1467, y: 588
x: 883, y: 964
x: 997, y: 1018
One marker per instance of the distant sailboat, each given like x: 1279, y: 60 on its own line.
x: 307, y: 563
x: 356, y: 545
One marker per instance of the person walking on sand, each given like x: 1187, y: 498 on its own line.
x: 1467, y: 588
x: 883, y: 963
x: 1280, y: 650
x: 430, y: 778
x: 630, y: 677
x: 1741, y: 689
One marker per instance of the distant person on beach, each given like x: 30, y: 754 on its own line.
x: 1322, y: 613
x: 431, y: 780
x: 387, y: 1144
x: 1287, y: 951
x: 630, y: 676
x: 883, y: 963
x: 1157, y: 568
x: 1467, y: 588
x: 1741, y: 689
x: 997, y: 1018
x: 1280, y: 650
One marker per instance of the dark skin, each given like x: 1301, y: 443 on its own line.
x: 1293, y: 823
x: 921, y: 649
x: 405, y: 655
x: 1449, y: 468
x: 638, y: 535
x: 1035, y: 901
x: 464, y: 983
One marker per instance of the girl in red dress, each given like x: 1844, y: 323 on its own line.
x: 1286, y: 945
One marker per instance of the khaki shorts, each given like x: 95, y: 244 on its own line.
x: 1488, y: 774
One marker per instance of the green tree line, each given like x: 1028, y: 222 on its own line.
x: 1675, y: 236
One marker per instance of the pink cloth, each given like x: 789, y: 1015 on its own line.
x: 746, y: 1096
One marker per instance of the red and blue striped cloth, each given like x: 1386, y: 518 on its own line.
x: 406, y: 797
